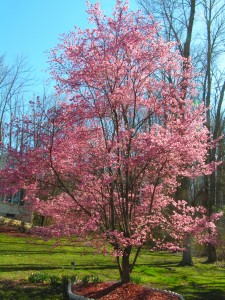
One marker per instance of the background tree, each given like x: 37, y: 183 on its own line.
x: 199, y: 29
x: 14, y: 82
x: 15, y: 106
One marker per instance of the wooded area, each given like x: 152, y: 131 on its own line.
x: 199, y: 29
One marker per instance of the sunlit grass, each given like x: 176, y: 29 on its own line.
x: 21, y: 256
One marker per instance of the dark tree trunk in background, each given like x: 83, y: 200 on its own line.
x: 211, y: 253
x: 183, y: 193
x: 187, y: 254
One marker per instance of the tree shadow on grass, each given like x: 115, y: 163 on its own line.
x: 22, y: 290
x: 34, y: 267
x: 206, y: 295
x: 13, y: 268
x: 95, y: 267
x: 201, y: 292
x: 29, y: 252
x: 160, y: 264
x: 209, y: 295
x: 50, y: 249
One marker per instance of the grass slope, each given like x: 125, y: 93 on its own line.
x: 21, y: 256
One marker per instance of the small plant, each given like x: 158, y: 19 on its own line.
x: 136, y: 279
x: 64, y: 283
x: 90, y: 279
x: 37, y: 277
x: 74, y: 278
x: 86, y: 279
x: 55, y: 281
x: 95, y: 279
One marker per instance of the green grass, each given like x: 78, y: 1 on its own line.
x: 22, y: 256
x: 24, y: 291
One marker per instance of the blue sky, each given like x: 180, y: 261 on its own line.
x: 31, y: 27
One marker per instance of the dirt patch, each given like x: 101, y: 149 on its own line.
x: 118, y: 291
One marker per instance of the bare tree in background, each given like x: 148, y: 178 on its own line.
x: 14, y: 82
x: 17, y: 102
x: 38, y: 113
x: 199, y: 29
x: 17, y: 106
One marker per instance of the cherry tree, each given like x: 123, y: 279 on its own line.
x: 113, y: 153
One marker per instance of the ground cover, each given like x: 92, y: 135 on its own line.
x: 22, y: 255
x: 22, y: 290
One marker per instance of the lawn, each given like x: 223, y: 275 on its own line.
x: 21, y: 256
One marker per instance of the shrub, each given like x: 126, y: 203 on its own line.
x: 136, y: 279
x: 55, y: 281
x: 74, y: 278
x: 37, y: 277
x: 86, y: 279
x: 64, y: 283
x: 95, y: 279
x: 90, y: 279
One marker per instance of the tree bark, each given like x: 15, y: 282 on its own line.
x: 211, y: 252
x: 124, y: 266
x: 125, y: 271
x: 183, y: 192
x: 187, y: 254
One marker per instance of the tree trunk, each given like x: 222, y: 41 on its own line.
x: 124, y: 266
x: 183, y: 192
x: 125, y: 272
x: 211, y: 251
x: 187, y: 255
x: 209, y: 198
